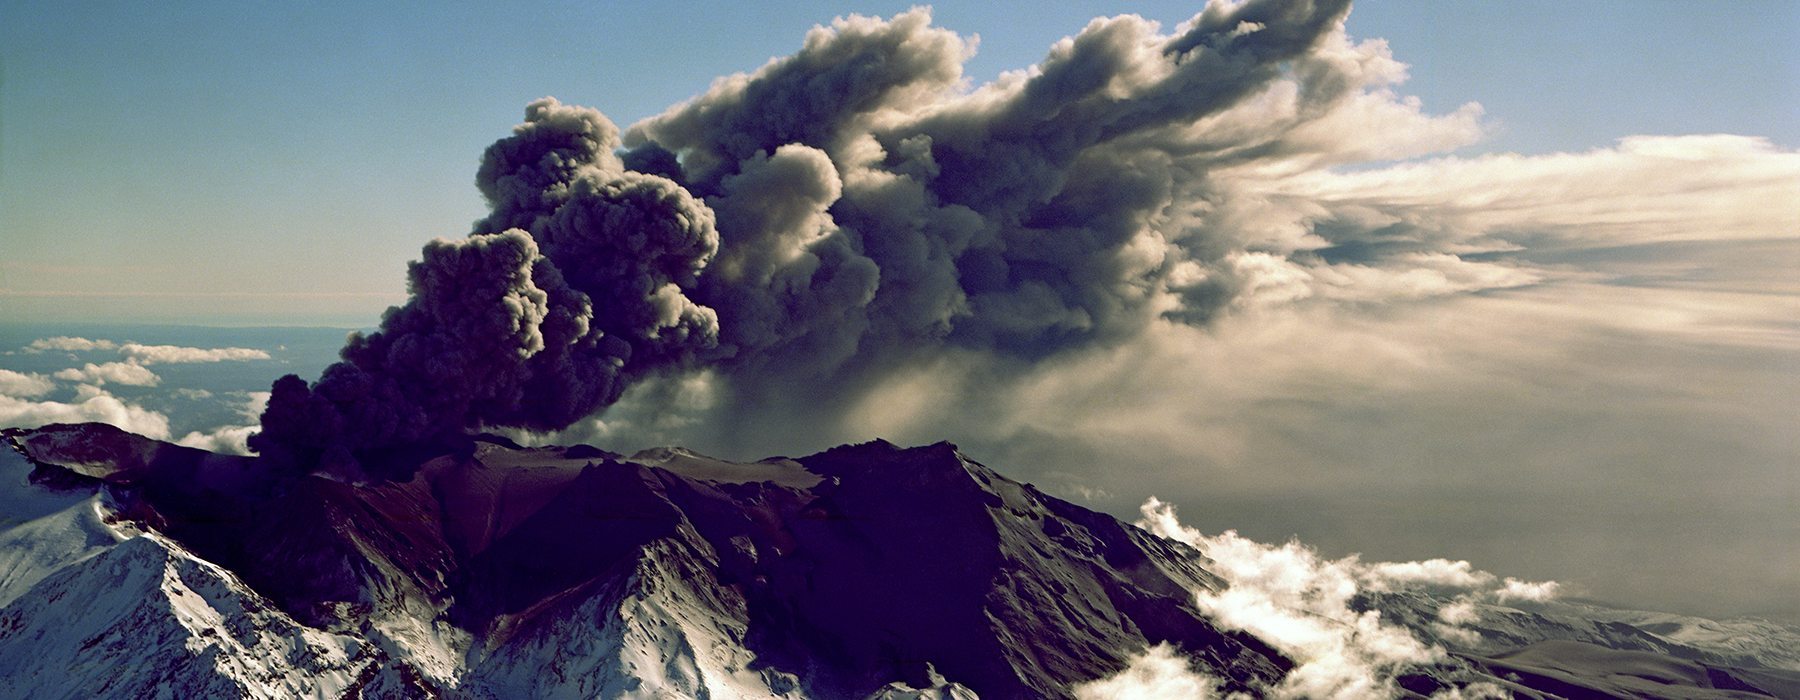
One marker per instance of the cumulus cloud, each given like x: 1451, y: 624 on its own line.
x: 130, y: 371
x: 231, y: 440
x: 162, y: 354
x: 1160, y: 673
x: 140, y: 354
x: 90, y: 405
x: 127, y: 373
x: 24, y: 384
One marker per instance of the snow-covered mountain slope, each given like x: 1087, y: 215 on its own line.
x: 44, y: 529
x: 866, y: 572
x: 646, y: 632
x: 145, y: 619
x: 41, y: 547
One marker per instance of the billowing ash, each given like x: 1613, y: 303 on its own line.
x: 837, y: 216
x: 575, y: 285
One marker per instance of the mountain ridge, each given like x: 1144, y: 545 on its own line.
x: 864, y: 571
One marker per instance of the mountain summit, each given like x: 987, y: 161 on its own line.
x: 134, y: 568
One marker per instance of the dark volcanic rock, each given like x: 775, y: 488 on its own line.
x: 82, y: 455
x: 895, y: 564
x: 918, y: 556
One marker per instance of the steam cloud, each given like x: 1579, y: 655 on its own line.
x: 849, y: 211
x: 1302, y: 604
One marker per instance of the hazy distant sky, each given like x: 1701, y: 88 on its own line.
x: 246, y: 162
x: 1583, y: 367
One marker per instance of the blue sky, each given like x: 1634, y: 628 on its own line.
x: 233, y: 163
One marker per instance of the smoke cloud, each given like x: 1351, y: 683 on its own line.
x: 805, y: 233
x: 509, y: 328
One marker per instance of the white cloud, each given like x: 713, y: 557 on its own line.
x: 92, y: 405
x: 1522, y: 590
x: 1388, y: 576
x: 254, y: 403
x: 69, y: 344
x: 231, y: 440
x: 1301, y: 603
x: 1158, y: 674
x: 23, y: 384
x: 115, y: 372
x: 1458, y: 613
x: 161, y: 354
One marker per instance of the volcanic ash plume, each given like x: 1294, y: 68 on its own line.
x: 510, y: 328
x: 853, y: 210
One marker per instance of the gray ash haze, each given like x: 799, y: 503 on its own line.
x: 1229, y: 262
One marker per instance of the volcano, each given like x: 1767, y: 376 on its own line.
x: 133, y: 568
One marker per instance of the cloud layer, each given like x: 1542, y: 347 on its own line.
x: 75, y: 394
